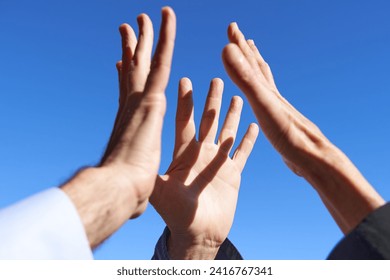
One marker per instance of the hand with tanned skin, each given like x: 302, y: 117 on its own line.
x: 307, y: 152
x: 108, y: 195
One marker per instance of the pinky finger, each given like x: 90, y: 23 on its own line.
x: 122, y: 97
x: 243, y: 151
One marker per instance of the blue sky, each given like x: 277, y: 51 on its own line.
x: 59, y: 94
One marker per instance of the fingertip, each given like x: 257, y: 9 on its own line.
x: 185, y: 81
x: 230, y: 31
x: 217, y: 82
x: 234, y: 33
x: 123, y: 28
x: 237, y: 101
x: 145, y: 24
x: 127, y: 33
x: 141, y: 17
x: 119, y: 65
x: 233, y: 25
x: 254, y: 127
x: 167, y: 11
x: 123, y: 25
x: 185, y: 86
x: 254, y: 49
x: 236, y: 104
x: 168, y: 24
x: 253, y: 132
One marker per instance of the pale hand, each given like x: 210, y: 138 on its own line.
x: 197, y: 196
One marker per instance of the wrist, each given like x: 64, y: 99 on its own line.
x: 330, y: 168
x: 183, y: 247
x: 320, y: 162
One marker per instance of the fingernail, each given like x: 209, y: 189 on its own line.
x: 237, y: 100
x: 235, y: 24
x: 185, y: 83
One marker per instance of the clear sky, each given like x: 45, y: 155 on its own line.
x: 59, y: 96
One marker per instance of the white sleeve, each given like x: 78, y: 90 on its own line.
x: 43, y: 226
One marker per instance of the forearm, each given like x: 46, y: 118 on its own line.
x: 336, y: 216
x: 345, y: 192
x: 102, y: 204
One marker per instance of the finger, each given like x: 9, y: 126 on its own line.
x: 129, y: 42
x: 243, y: 150
x: 118, y: 66
x: 266, y: 70
x: 135, y: 64
x: 114, y: 134
x: 230, y: 126
x: 139, y: 69
x: 264, y: 67
x: 121, y: 101
x: 185, y: 126
x: 162, y: 60
x: 209, y: 123
x: 119, y: 70
x: 238, y: 38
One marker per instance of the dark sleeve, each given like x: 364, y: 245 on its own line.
x: 370, y: 240
x: 227, y: 251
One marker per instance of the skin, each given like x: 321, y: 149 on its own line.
x: 119, y: 187
x: 197, y: 196
x: 307, y: 152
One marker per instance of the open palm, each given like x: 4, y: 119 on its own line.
x: 197, y: 196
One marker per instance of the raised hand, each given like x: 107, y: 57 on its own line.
x: 345, y: 192
x: 197, y: 196
x: 135, y: 143
x: 119, y: 188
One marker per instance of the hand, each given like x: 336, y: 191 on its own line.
x: 345, y: 192
x: 108, y: 195
x: 197, y: 196
x: 292, y: 135
x: 135, y: 144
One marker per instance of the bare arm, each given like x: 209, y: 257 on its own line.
x: 345, y: 192
x: 118, y: 189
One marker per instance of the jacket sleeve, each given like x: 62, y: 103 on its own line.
x: 43, y: 226
x: 369, y: 240
x: 227, y: 251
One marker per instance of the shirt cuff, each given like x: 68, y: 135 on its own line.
x: 369, y: 240
x: 43, y: 226
x: 227, y: 251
